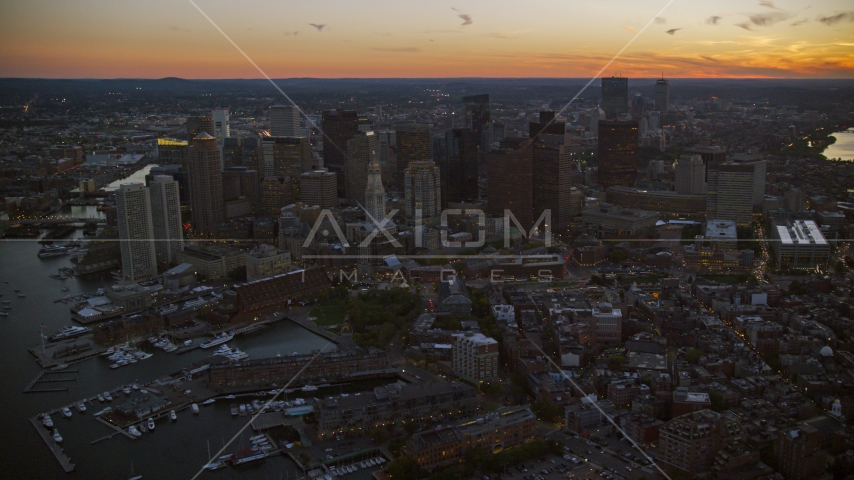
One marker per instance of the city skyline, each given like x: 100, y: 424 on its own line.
x: 96, y: 39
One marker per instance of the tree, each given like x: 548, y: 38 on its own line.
x: 404, y: 468
x: 617, y: 256
x: 379, y: 436
x: 840, y: 268
x: 693, y: 355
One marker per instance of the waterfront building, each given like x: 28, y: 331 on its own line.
x: 171, y: 151
x: 166, y: 218
x: 479, y: 119
x: 282, y: 289
x: 136, y: 232
x: 266, y: 261
x: 205, y: 176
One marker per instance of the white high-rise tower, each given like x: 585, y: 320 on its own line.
x: 374, y: 191
x: 166, y: 218
x: 222, y: 128
x: 136, y: 232
x: 284, y: 121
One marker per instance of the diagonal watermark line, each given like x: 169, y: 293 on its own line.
x: 602, y: 412
x: 262, y: 72
x: 262, y: 409
x: 599, y: 73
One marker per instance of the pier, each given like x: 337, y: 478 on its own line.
x: 57, y: 451
x: 40, y: 378
x: 322, y: 332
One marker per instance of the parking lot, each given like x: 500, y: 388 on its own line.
x: 610, y: 462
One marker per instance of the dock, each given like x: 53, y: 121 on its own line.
x: 57, y: 451
x: 322, y: 332
x: 46, y: 377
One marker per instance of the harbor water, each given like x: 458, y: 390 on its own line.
x: 174, y: 450
x: 843, y: 148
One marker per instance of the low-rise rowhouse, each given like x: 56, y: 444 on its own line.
x: 493, y: 432
x: 357, y: 414
x: 332, y: 366
x: 118, y: 331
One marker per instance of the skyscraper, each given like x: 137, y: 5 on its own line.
x: 459, y: 166
x: 615, y: 97
x: 222, y: 126
x: 276, y: 192
x: 166, y: 218
x: 319, y: 187
x: 479, y: 119
x: 423, y: 192
x: 690, y: 175
x: 712, y: 155
x: 374, y: 192
x: 199, y: 124
x: 340, y: 126
x: 662, y: 95
x: 730, y: 195
x: 171, y: 151
x: 241, y: 182
x: 618, y: 152
x: 413, y: 145
x: 205, y: 183
x: 759, y: 171
x: 510, y: 181
x: 136, y: 232
x: 232, y: 152
x: 284, y: 121
x: 286, y: 157
x: 552, y: 170
x: 362, y: 151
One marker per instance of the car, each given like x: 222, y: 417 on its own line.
x: 327, y: 449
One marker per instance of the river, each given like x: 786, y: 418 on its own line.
x: 175, y: 450
x: 843, y: 148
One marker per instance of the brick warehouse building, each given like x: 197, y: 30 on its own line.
x: 332, y: 366
x: 281, y: 288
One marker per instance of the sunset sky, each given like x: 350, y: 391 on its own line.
x: 407, y: 38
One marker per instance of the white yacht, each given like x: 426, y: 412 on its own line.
x: 151, y: 424
x: 66, y: 412
x: 69, y: 332
x: 172, y: 415
x: 47, y: 421
x: 56, y: 436
x: 108, y: 397
x: 195, y: 408
x: 81, y: 407
x: 218, y: 340
x: 133, y: 431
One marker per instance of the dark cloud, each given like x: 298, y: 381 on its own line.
x: 466, y: 17
x: 769, y: 4
x: 713, y: 20
x: 319, y: 27
x: 799, y: 22
x: 660, y: 20
x: 768, y: 19
x: 839, y: 17
x: 673, y: 31
x: 711, y: 59
x: 744, y: 25
x: 295, y: 33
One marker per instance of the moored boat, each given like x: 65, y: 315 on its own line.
x: 195, y: 409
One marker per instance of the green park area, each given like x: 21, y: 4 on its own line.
x: 329, y: 315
